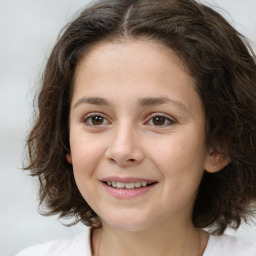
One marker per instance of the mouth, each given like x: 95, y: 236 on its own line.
x: 128, y: 185
x: 127, y: 188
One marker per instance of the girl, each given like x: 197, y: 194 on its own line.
x: 146, y: 131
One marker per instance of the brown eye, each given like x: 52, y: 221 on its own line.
x: 158, y: 120
x: 95, y: 120
x: 161, y: 120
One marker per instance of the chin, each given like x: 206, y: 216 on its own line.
x: 127, y: 223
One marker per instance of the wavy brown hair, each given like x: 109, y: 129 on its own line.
x: 219, y: 59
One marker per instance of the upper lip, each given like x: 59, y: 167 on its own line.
x: 127, y: 179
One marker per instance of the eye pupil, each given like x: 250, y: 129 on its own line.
x: 158, y: 120
x: 97, y: 120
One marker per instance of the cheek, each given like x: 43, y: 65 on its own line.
x: 86, y: 155
x: 179, y: 149
x: 180, y: 158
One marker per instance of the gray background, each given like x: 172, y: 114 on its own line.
x: 28, y: 30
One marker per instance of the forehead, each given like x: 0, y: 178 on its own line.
x: 113, y: 48
x: 134, y: 57
x: 130, y: 70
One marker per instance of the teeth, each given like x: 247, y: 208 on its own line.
x: 130, y: 185
x: 144, y: 184
x: 120, y: 185
x: 137, y: 184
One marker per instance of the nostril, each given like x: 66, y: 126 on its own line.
x: 131, y: 160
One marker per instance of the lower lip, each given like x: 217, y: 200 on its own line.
x: 127, y: 193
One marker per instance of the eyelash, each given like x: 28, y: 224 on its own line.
x: 88, y: 118
x: 165, y: 117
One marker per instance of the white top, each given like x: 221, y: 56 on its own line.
x: 80, y: 246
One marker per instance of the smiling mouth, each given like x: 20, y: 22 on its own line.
x: 130, y: 185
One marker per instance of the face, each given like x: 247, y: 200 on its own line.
x: 137, y: 135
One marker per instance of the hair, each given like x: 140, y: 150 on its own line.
x: 218, y: 58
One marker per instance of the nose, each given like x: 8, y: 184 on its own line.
x: 125, y: 149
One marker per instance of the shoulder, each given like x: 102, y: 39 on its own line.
x: 226, y: 245
x: 77, y: 245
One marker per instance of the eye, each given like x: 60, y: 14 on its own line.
x: 160, y: 120
x: 95, y: 120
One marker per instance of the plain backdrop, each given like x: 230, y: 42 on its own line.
x: 28, y: 30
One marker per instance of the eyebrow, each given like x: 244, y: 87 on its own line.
x: 144, y: 102
x: 152, y: 101
x: 93, y: 101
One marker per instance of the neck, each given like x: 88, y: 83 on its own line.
x: 161, y: 241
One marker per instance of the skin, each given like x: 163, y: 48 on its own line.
x: 127, y: 140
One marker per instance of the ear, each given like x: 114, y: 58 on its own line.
x: 69, y: 158
x: 215, y: 161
